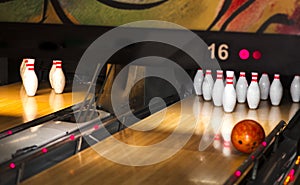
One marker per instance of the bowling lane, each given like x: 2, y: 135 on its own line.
x: 216, y: 161
x: 17, y: 108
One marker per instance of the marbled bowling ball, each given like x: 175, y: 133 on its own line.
x: 247, y: 135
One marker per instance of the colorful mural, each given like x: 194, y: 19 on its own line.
x: 262, y: 16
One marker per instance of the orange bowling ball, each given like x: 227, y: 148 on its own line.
x: 247, y: 135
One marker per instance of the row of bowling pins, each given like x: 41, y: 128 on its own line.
x: 239, y: 91
x: 30, y: 80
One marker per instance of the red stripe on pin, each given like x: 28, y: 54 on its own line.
x: 31, y: 68
x: 58, y: 67
x: 28, y: 65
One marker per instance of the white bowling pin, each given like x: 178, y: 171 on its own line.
x: 52, y: 71
x: 253, y: 92
x: 295, y: 89
x: 207, y: 85
x: 30, y: 80
x: 218, y: 88
x: 198, y: 80
x: 229, y: 94
x: 264, y: 86
x: 241, y: 88
x: 23, y: 67
x: 58, y: 78
x: 234, y: 80
x: 276, y: 90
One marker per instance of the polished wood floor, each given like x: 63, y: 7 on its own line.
x: 207, y: 158
x: 17, y: 108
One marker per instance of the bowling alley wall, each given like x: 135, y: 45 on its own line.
x: 267, y: 16
x: 61, y: 28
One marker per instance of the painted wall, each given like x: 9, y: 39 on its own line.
x: 266, y: 16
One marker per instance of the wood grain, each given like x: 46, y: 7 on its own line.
x: 17, y: 108
x: 213, y: 165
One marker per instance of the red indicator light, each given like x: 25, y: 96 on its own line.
x: 9, y: 132
x: 256, y: 55
x: 264, y: 143
x: 238, y: 173
x: 44, y: 150
x: 252, y: 157
x: 244, y: 54
x: 12, y: 165
x: 72, y: 137
x: 96, y: 127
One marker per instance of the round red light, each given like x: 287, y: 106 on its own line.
x: 238, y: 173
x: 72, y: 137
x: 44, y: 150
x: 12, y: 165
x: 256, y: 55
x: 96, y: 127
x: 244, y: 54
x: 9, y: 132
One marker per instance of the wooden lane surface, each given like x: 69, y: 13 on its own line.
x: 17, y: 108
x: 213, y: 165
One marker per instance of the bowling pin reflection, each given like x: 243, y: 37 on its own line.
x: 216, y: 122
x: 197, y: 107
x: 228, y: 124
x: 212, y: 128
x: 293, y: 109
x: 29, y: 106
x: 274, y: 117
x: 56, y: 101
x: 206, y: 131
x: 240, y: 111
x: 252, y: 114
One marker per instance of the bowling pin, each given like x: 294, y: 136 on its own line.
x: 234, y: 80
x: 229, y: 94
x: 23, y: 67
x: 295, y: 89
x: 218, y: 88
x: 276, y: 90
x: 30, y: 80
x: 253, y: 92
x: 207, y: 85
x: 241, y: 88
x: 52, y: 71
x: 58, y: 78
x: 198, y: 80
x: 264, y: 86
